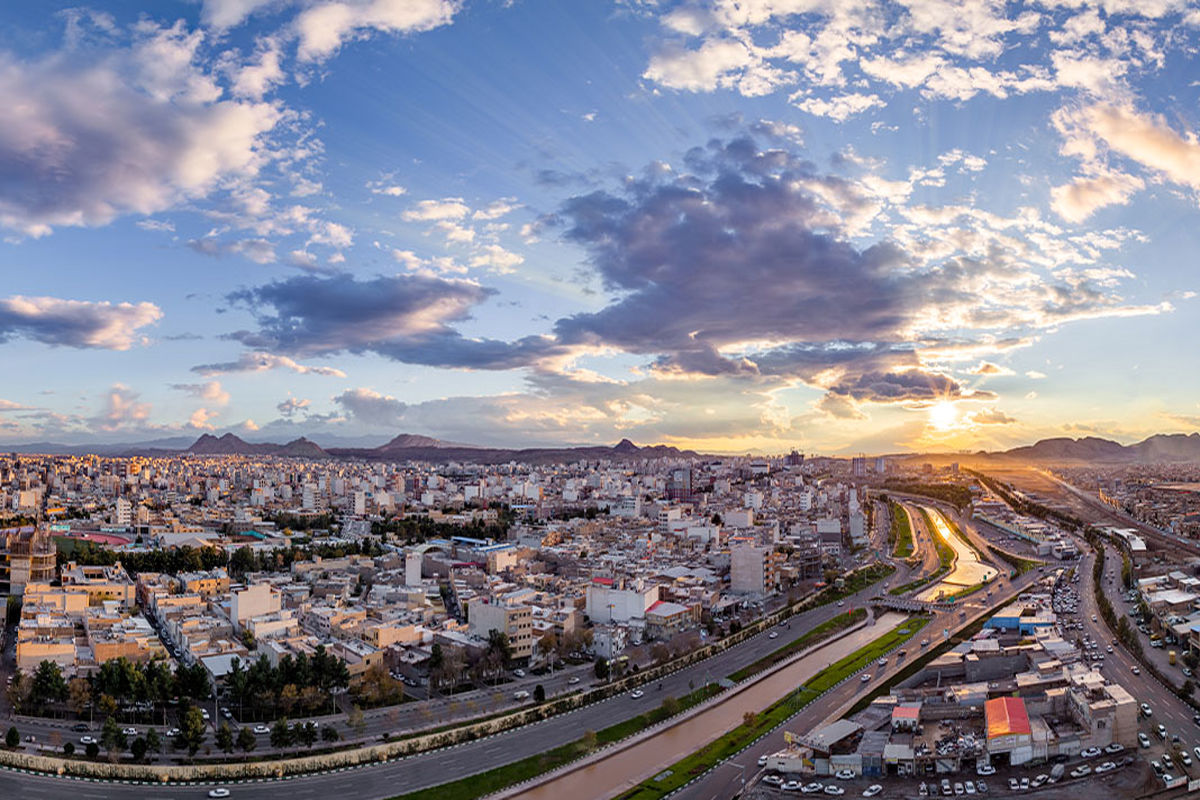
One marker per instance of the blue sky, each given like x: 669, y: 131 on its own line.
x: 840, y: 226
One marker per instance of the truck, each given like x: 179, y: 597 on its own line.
x: 1056, y: 772
x: 1171, y: 657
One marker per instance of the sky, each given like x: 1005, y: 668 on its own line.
x: 841, y: 226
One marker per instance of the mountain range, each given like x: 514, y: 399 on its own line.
x: 1173, y: 447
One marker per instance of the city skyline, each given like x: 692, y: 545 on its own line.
x: 727, y: 227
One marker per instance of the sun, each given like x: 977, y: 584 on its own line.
x: 943, y: 416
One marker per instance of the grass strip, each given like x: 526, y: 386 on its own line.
x: 901, y: 531
x: 817, y: 634
x: 756, y: 724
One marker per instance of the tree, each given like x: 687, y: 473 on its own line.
x: 307, y: 734
x: 601, y: 669
x: 670, y: 706
x: 13, y: 737
x: 660, y: 653
x: 69, y: 749
x: 225, y: 738
x: 246, y: 740
x: 329, y: 734
x: 153, y: 742
x: 92, y: 749
x: 281, y: 735
x: 138, y: 748
x: 48, y: 684
x: 356, y: 721
x: 79, y: 695
x: 589, y: 740
x: 191, y: 731
x: 112, y: 737
x: 539, y: 694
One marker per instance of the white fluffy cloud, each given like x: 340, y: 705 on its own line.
x: 324, y: 27
x: 136, y: 130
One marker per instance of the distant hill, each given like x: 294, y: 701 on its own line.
x: 1177, y: 447
x: 231, y: 445
x: 402, y: 449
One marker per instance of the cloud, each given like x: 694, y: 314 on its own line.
x: 988, y: 368
x: 323, y: 28
x: 292, y: 406
x: 1033, y: 374
x: 211, y: 391
x: 260, y: 251
x: 95, y: 134
x: 200, y: 419
x: 839, y: 108
x: 75, y: 323
x: 908, y: 386
x: 262, y: 362
x: 450, y: 208
x: 1077, y: 200
x: 372, y: 408
x: 230, y: 13
x: 122, y: 409
x: 989, y: 416
x: 497, y: 259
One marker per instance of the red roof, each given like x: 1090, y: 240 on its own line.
x: 1006, y: 716
x: 906, y: 712
x: 605, y: 581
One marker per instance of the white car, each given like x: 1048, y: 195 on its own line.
x: 762, y: 761
x: 773, y: 780
x: 773, y: 635
x: 1144, y: 740
x: 1115, y: 747
x: 985, y: 769
x: 519, y: 673
x: 1081, y: 770
x: 1090, y: 752
x: 834, y: 790
x: 844, y: 775
x: 1146, y: 710
x: 218, y: 792
x: 812, y: 788
x: 872, y: 790
x: 573, y: 680
x: 866, y: 677
x: 88, y: 740
x: 637, y: 694
x: 1107, y: 766
x: 130, y: 731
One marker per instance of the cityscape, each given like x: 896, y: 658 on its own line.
x: 614, y: 399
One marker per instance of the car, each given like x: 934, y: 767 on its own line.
x: 883, y: 662
x: 521, y: 695
x: 958, y: 789
x: 773, y: 780
x: 1040, y: 780
x: 872, y: 790
x: 1115, y: 747
x: 173, y: 732
x: 1090, y: 752
x: 923, y: 790
x: 218, y: 792
x: 1196, y: 750
x: 79, y: 727
x: 520, y: 673
x: 969, y: 786
x: 1107, y: 766
x: 866, y: 677
x: 204, y: 713
x: 762, y: 761
x: 773, y: 635
x: 1161, y: 730
x: 1185, y: 758
x: 637, y: 694
x: 1144, y: 740
x: 261, y: 729
x: 834, y: 789
x: 1081, y: 770
x: 812, y: 788
x: 31, y: 738
x: 1147, y: 711
x: 1167, y: 761
x: 1013, y: 784
x: 981, y: 786
x: 985, y: 769
x: 88, y: 740
x: 841, y: 603
x: 1108, y: 649
x: 1167, y: 777
x: 574, y: 680
x: 1024, y: 784
x: 844, y: 775
x: 791, y: 786
x: 1158, y: 767
x: 129, y: 731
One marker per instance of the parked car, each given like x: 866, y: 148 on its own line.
x: 985, y: 769
x: 1090, y: 752
x: 261, y: 729
x: 1144, y: 740
x: 1081, y: 770
x: 844, y: 775
x: 872, y: 790
x: 1115, y: 747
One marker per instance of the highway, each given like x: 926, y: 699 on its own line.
x: 429, y: 769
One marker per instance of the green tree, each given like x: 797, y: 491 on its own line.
x: 601, y: 668
x: 13, y: 737
x: 138, y: 747
x: 48, y: 684
x: 225, y: 738
x: 246, y: 740
x: 92, y: 749
x: 112, y: 737
x: 539, y: 694
x: 307, y: 734
x: 69, y: 749
x: 329, y: 734
x: 281, y: 735
x: 356, y: 721
x: 153, y: 742
x: 191, y: 731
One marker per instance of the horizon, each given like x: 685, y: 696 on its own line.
x: 724, y: 227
